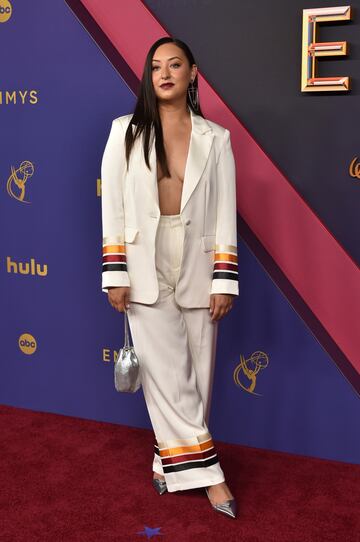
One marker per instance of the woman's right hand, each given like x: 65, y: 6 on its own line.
x: 119, y: 297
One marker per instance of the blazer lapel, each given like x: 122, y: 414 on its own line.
x: 201, y: 140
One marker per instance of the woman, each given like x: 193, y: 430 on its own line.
x: 170, y: 260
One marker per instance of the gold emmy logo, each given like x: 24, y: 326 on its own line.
x: 15, y: 185
x: 27, y: 343
x: 26, y: 268
x: 245, y: 374
x: 354, y: 168
x: 5, y: 10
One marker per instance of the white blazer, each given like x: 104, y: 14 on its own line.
x: 131, y: 213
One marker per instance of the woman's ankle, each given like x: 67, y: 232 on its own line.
x: 220, y: 491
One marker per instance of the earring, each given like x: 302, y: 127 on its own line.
x: 193, y: 93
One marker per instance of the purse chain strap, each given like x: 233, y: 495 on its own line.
x: 127, y: 339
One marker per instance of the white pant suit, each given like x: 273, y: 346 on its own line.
x: 172, y: 264
x: 176, y: 348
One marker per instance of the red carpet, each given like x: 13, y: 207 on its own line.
x: 74, y: 480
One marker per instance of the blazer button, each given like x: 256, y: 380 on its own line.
x: 187, y: 222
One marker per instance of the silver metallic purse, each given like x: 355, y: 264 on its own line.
x: 127, y: 368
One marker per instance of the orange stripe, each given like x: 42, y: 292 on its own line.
x: 186, y: 449
x: 226, y: 257
x: 113, y: 248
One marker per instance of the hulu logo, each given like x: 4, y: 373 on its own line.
x: 26, y: 268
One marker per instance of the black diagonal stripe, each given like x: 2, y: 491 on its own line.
x: 156, y: 449
x: 192, y: 465
x: 114, y: 267
x: 225, y: 275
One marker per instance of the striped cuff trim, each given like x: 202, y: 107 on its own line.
x: 114, y: 258
x: 225, y: 263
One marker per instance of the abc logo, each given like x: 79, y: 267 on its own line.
x: 27, y: 343
x: 5, y: 11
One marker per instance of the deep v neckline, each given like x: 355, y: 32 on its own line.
x: 187, y: 154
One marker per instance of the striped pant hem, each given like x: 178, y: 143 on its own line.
x: 188, y: 463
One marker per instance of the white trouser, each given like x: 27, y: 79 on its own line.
x: 176, y: 349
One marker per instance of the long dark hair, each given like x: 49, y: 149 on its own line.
x: 146, y: 113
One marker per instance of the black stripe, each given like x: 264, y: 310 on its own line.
x: 193, y: 465
x: 114, y: 267
x: 156, y: 449
x: 225, y: 275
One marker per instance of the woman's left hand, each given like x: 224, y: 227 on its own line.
x: 220, y: 305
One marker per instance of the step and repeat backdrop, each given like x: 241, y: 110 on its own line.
x: 276, y: 386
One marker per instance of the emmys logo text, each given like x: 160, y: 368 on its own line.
x: 18, y: 97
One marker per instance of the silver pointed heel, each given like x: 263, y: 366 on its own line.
x: 159, y: 485
x: 229, y: 507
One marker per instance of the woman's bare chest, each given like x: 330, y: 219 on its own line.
x: 176, y: 143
